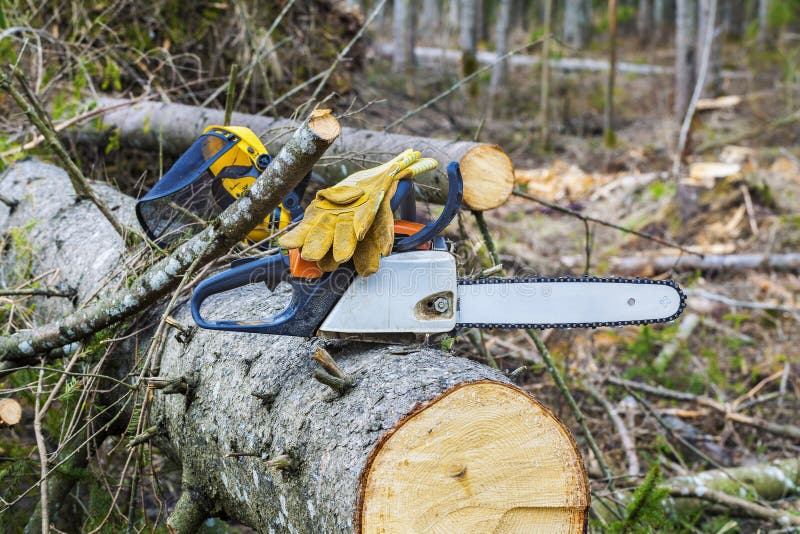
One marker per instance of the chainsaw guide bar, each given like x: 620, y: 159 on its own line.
x: 546, y: 283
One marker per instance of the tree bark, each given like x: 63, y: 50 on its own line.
x: 431, y: 16
x: 500, y: 70
x: 609, y: 134
x: 713, y: 83
x: 487, y: 171
x: 422, y: 439
x: 544, y: 94
x: 685, y: 54
x: 644, y: 21
x: 404, y: 37
x: 468, y: 40
x: 577, y: 23
x: 764, y: 36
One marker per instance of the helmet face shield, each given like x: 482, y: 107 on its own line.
x: 218, y: 168
x: 185, y: 198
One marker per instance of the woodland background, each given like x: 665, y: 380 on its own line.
x: 689, y: 143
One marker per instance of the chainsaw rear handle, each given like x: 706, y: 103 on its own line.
x: 455, y: 192
x: 311, y: 300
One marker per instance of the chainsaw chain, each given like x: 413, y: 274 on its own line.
x: 538, y: 279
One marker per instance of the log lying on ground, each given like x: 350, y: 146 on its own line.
x: 743, y: 491
x: 433, y: 56
x: 487, y: 170
x: 647, y: 266
x: 423, y: 441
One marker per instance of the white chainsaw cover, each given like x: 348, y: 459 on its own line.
x: 404, y: 295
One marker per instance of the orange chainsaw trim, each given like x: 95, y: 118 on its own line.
x: 300, y: 268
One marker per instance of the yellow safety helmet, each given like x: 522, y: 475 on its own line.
x: 213, y: 172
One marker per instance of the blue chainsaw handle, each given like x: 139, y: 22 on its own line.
x: 311, y: 302
x: 455, y: 192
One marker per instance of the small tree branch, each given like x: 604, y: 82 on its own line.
x: 734, y: 505
x: 189, y: 513
x: 589, y: 218
x: 573, y: 405
x: 231, y: 94
x: 294, y: 161
x: 41, y: 121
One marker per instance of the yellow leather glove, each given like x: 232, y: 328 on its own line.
x: 354, y: 219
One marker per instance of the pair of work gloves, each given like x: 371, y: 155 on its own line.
x: 354, y: 219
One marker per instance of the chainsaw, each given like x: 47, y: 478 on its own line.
x: 416, y: 292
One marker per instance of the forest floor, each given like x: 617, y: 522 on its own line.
x: 744, y: 356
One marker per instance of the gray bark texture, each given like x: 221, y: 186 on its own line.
x: 577, y: 23
x: 763, y: 22
x: 644, y: 21
x: 329, y: 438
x: 713, y: 81
x: 145, y: 125
x: 502, y: 29
x: 403, y: 59
x: 685, y: 54
x: 468, y: 35
x: 431, y: 17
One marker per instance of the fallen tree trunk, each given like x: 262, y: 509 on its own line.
x: 434, y: 57
x: 427, y: 55
x: 422, y: 441
x: 648, y: 266
x: 487, y: 170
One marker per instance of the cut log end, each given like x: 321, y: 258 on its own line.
x: 483, y: 457
x: 488, y: 177
x: 10, y: 412
x: 324, y: 124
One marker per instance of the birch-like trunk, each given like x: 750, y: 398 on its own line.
x: 764, y: 36
x: 577, y: 23
x: 500, y: 70
x: 404, y: 37
x: 644, y: 21
x: 685, y: 54
x: 423, y: 440
x: 467, y: 38
x: 713, y: 81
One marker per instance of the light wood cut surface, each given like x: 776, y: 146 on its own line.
x: 484, y: 457
x: 10, y: 412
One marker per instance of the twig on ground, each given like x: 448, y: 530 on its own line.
x: 741, y: 303
x: 628, y: 444
x: 589, y: 218
x: 786, y: 120
x: 42, y: 123
x: 789, y: 431
x: 36, y: 292
x: 734, y: 504
x: 573, y: 405
x: 346, y: 50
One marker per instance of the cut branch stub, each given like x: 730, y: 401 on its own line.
x: 10, y: 412
x: 483, y: 457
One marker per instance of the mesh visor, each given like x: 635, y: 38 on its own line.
x: 184, y: 200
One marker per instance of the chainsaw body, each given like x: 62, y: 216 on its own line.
x: 418, y: 278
